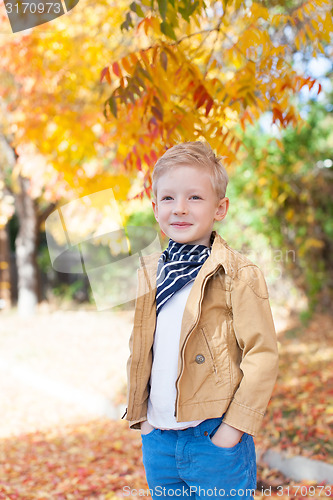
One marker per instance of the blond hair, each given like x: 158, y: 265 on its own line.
x: 196, y: 153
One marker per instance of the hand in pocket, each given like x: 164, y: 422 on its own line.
x: 226, y: 436
x: 146, y: 427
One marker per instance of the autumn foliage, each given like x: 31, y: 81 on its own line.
x: 207, y: 70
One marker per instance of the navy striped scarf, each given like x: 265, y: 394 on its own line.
x: 178, y: 265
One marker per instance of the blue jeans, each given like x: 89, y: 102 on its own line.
x: 187, y: 464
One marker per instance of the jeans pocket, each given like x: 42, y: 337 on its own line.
x: 149, y: 433
x: 230, y: 450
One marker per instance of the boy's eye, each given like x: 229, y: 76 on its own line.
x: 195, y: 196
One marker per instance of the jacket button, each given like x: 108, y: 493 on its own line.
x: 205, y: 433
x: 200, y: 358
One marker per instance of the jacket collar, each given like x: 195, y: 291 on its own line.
x: 221, y: 254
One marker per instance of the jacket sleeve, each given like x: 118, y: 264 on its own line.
x: 137, y: 393
x: 136, y: 423
x: 255, y: 334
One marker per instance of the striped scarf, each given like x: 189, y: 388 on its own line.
x: 178, y: 265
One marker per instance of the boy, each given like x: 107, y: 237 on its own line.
x: 203, y: 351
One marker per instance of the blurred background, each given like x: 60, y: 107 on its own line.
x: 88, y: 102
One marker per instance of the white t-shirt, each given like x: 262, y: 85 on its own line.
x: 162, y: 397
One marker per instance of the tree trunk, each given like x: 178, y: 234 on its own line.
x: 26, y: 249
x: 5, y: 296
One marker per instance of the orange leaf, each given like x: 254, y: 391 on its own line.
x: 144, y: 57
x: 134, y: 58
x: 126, y: 65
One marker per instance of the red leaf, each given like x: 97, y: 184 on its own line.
x: 116, y: 69
x: 202, y: 99
x: 106, y: 73
x: 198, y: 91
x: 209, y: 105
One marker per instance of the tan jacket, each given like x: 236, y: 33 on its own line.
x: 228, y: 356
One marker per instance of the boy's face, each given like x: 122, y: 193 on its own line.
x: 185, y: 195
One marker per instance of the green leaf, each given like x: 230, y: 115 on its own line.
x: 136, y: 90
x: 137, y: 9
x: 127, y: 23
x: 188, y: 10
x: 157, y: 102
x: 157, y: 113
x: 162, y: 7
x: 130, y: 96
x: 167, y: 29
x: 138, y: 80
x: 113, y: 106
x: 145, y: 73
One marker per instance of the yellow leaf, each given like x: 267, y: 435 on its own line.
x: 321, y: 48
x: 314, y: 243
x: 262, y: 181
x: 328, y: 23
x: 309, y: 32
x: 315, y: 24
x: 259, y: 11
x: 212, y: 65
x: 299, y: 14
x: 282, y: 197
x: 276, y: 19
x: 290, y: 214
x: 118, y: 445
x: 297, y: 42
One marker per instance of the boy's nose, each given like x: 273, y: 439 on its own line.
x: 180, y: 208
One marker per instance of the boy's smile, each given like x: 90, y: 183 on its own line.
x: 186, y: 206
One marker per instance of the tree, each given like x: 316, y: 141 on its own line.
x: 51, y: 124
x: 293, y: 181
x: 204, y: 68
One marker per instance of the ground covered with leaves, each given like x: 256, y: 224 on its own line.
x: 299, y: 419
x: 101, y: 458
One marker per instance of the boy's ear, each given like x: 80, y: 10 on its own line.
x: 154, y: 205
x: 222, y: 209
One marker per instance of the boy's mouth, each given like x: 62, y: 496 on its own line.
x: 181, y: 224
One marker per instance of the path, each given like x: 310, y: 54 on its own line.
x: 61, y: 367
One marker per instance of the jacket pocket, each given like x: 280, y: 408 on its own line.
x: 211, y: 355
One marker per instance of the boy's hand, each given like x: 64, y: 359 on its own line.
x: 146, y: 427
x: 226, y: 436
